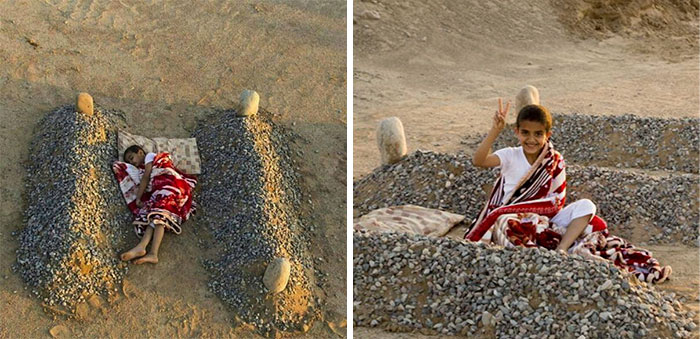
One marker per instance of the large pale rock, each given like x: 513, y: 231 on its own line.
x: 529, y: 95
x: 84, y: 104
x: 248, y: 104
x: 277, y: 275
x: 391, y: 140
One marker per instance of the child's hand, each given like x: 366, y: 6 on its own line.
x: 499, y: 118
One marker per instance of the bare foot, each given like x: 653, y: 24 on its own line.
x: 133, y: 253
x: 149, y: 258
x: 665, y: 273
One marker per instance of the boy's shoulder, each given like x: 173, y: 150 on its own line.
x: 509, y: 151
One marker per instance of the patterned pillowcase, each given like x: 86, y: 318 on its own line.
x: 184, y: 152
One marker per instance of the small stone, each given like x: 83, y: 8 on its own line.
x: 81, y: 311
x: 487, y: 318
x: 84, y: 104
x: 277, y: 275
x: 248, y: 104
x: 606, y: 285
x: 60, y: 331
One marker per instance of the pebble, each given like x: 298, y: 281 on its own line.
x: 606, y: 285
x: 60, y: 331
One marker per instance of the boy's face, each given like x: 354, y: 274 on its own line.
x: 532, y: 136
x: 135, y: 159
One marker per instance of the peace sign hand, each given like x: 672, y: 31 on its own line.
x: 499, y: 118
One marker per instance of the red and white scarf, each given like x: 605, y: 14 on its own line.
x: 542, y: 190
x: 167, y: 199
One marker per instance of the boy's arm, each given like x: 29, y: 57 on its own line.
x: 483, y: 156
x: 144, y: 182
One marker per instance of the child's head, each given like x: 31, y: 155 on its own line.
x: 134, y: 155
x: 533, y: 128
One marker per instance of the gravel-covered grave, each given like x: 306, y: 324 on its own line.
x: 251, y: 205
x: 406, y: 282
x: 76, y: 216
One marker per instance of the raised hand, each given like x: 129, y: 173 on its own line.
x: 499, y: 118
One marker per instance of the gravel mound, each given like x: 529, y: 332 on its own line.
x: 408, y: 282
x: 250, y: 202
x: 625, y: 141
x: 661, y: 204
x: 76, y: 219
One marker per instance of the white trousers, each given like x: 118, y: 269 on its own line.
x: 572, y: 211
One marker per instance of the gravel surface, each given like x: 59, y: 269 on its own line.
x: 625, y: 141
x: 76, y: 219
x: 405, y: 282
x: 250, y: 202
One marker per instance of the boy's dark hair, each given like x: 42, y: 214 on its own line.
x: 535, y: 113
x: 132, y: 149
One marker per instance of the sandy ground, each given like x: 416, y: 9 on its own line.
x: 166, y: 65
x: 440, y: 67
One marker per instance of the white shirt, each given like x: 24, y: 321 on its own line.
x: 151, y: 156
x: 514, y: 166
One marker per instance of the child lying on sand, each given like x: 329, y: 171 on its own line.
x: 162, y: 200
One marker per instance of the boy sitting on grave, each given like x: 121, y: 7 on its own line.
x: 533, y: 178
x: 532, y: 183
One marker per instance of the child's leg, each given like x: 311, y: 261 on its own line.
x: 575, y: 229
x: 152, y: 256
x: 575, y: 217
x: 140, y: 248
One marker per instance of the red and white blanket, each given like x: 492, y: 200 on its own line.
x: 542, y: 190
x: 168, y: 197
x: 531, y: 230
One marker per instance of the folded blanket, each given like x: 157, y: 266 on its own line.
x: 409, y: 219
x: 168, y: 197
x: 542, y: 190
x: 530, y: 230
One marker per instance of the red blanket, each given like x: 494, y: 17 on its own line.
x: 168, y: 197
x: 542, y: 190
x: 531, y: 230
